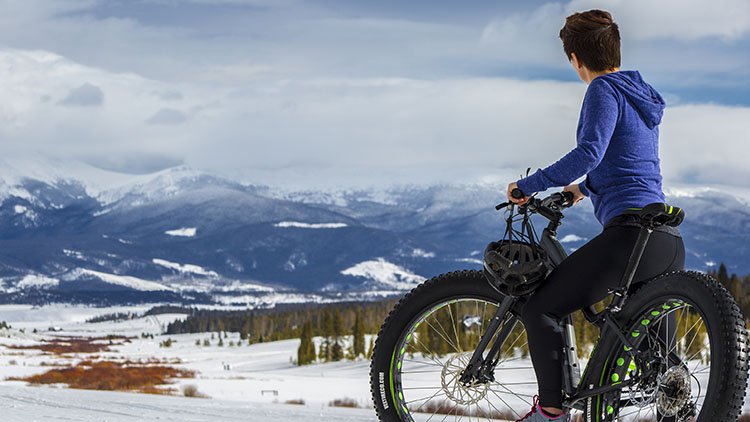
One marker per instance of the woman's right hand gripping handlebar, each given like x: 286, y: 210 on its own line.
x: 515, y: 195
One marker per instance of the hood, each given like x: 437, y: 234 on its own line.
x: 642, y: 96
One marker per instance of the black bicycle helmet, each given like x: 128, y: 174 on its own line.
x: 514, y: 268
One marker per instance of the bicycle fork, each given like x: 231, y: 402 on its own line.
x: 480, y: 368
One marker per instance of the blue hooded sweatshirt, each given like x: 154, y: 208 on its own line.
x: 617, y: 147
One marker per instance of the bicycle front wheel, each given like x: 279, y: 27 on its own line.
x: 428, y: 340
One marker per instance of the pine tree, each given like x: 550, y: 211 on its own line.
x: 245, y: 333
x: 371, y: 348
x: 306, y: 351
x: 326, y: 346
x: 358, y: 335
x: 337, y: 351
x: 723, y: 275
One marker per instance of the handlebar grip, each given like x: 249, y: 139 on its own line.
x: 517, y: 193
x: 501, y: 206
x: 568, y: 196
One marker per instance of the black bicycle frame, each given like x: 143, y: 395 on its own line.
x: 480, y: 367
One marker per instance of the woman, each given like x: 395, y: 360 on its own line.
x: 617, y: 150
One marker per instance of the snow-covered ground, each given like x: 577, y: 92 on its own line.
x: 235, y: 376
x: 31, y: 404
x: 245, y: 382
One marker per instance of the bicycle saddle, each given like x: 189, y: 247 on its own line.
x: 660, y: 213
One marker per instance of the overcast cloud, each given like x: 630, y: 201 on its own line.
x: 319, y: 92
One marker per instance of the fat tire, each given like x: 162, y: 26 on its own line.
x: 457, y: 284
x: 728, y: 340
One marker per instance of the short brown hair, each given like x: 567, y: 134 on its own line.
x: 594, y: 37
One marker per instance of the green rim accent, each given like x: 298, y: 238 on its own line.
x: 610, y: 410
x: 632, y: 366
x: 626, y: 348
x: 645, y: 322
x: 655, y: 313
x: 615, y: 377
x: 599, y: 397
x: 390, y: 376
x: 635, y: 333
x: 400, y: 395
x: 620, y: 361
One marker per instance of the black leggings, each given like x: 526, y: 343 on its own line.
x: 583, y: 279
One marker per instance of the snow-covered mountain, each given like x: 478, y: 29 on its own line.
x: 72, y: 232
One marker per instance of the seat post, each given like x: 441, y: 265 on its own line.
x: 621, y: 292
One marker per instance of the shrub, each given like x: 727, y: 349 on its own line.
x: 345, y: 402
x: 191, y: 390
x: 116, y: 376
x: 295, y: 401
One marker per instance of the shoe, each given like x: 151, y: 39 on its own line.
x: 538, y: 415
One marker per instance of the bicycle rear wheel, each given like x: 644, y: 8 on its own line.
x: 705, y: 378
x: 427, y: 341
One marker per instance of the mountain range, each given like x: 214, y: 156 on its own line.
x: 76, y: 233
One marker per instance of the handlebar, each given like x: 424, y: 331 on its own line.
x: 548, y: 207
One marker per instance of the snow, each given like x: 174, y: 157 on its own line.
x: 421, y: 253
x: 385, y: 273
x: 26, y: 404
x: 470, y: 260
x: 234, y: 378
x: 120, y: 280
x: 182, y: 232
x: 572, y: 238
x: 19, y: 209
x: 37, y: 280
x: 185, y: 268
x: 300, y: 225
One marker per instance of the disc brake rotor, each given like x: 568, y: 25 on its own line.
x: 453, y: 388
x: 674, y: 391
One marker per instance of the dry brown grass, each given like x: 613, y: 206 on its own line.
x: 115, y: 376
x: 191, y: 390
x: 66, y: 345
x: 345, y: 402
x: 295, y: 401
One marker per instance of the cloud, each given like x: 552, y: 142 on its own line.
x: 324, y: 92
x: 340, y: 130
x: 86, y: 95
x: 169, y: 95
x: 677, y: 19
x: 167, y: 116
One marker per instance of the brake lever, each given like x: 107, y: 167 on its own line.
x: 503, y: 205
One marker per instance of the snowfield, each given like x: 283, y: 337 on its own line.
x: 182, y: 232
x: 248, y: 383
x: 31, y: 404
x: 384, y: 273
x: 299, y: 225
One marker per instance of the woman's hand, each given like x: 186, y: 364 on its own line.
x: 521, y: 201
x: 576, y: 191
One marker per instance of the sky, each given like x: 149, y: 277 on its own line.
x: 333, y: 93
